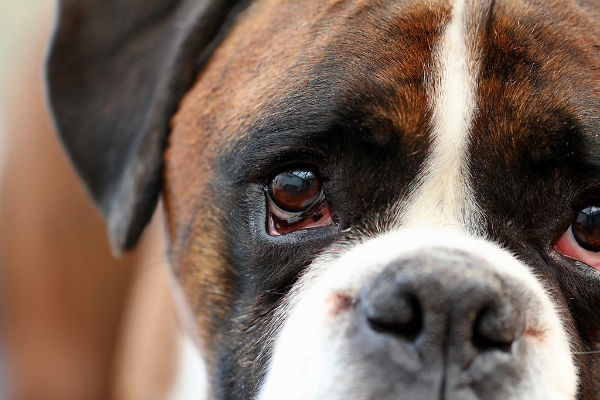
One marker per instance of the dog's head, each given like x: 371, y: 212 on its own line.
x: 364, y: 199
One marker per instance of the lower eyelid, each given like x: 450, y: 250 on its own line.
x: 277, y: 226
x: 568, y: 246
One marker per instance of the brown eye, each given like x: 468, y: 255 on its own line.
x: 295, y: 200
x: 586, y: 228
x: 295, y: 190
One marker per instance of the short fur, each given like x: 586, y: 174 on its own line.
x: 342, y: 85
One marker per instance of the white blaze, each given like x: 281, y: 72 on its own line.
x: 444, y: 195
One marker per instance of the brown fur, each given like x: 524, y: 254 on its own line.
x: 273, y: 50
x: 270, y: 51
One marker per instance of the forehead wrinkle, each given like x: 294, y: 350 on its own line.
x: 538, y: 92
x: 367, y: 79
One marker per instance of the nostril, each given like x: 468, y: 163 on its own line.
x: 498, y: 326
x: 400, y: 315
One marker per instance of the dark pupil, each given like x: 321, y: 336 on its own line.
x: 586, y: 228
x: 295, y: 190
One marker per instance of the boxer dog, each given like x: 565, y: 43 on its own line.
x: 365, y: 199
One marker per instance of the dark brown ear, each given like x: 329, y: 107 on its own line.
x: 116, y: 72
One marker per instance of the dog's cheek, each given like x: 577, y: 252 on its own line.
x: 197, y: 249
x: 200, y: 269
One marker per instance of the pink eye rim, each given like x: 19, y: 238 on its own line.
x: 568, y: 246
x: 317, y: 217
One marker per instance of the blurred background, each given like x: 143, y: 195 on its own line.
x: 75, y: 323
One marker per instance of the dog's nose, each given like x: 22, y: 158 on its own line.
x: 444, y: 302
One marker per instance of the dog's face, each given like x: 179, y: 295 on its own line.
x: 393, y: 199
x: 365, y: 200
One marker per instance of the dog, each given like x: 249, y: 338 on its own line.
x: 364, y: 199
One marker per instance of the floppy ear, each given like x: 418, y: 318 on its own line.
x: 116, y: 72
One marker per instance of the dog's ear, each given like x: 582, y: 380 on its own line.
x: 116, y: 71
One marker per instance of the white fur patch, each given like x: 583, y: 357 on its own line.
x: 444, y: 195
x: 309, y: 359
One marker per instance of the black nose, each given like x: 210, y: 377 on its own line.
x: 449, y: 306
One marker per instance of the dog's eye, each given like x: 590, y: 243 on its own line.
x: 295, y: 200
x: 295, y: 190
x: 582, y: 240
x: 586, y: 228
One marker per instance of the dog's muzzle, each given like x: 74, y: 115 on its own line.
x: 428, y: 316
